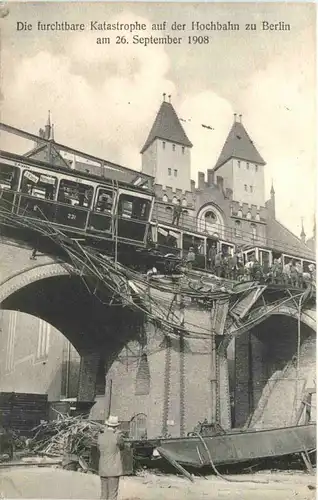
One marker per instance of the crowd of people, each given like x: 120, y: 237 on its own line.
x: 235, y: 267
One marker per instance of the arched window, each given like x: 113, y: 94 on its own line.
x: 143, y: 377
x: 210, y: 220
x: 184, y: 202
x: 239, y: 213
x: 237, y: 229
x: 258, y: 216
x: 174, y: 200
x: 165, y: 198
x: 254, y: 230
x: 248, y: 215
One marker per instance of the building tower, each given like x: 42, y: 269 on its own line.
x: 241, y: 166
x: 166, y: 154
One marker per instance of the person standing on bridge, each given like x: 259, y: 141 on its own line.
x: 177, y: 211
x: 110, y: 444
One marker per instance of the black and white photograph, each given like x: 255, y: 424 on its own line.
x: 158, y: 250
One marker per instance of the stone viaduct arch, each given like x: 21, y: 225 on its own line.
x: 52, y: 291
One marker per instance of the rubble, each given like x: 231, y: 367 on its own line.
x: 65, y: 436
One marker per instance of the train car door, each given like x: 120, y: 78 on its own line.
x: 248, y: 254
x: 133, y: 215
x: 265, y: 258
x: 75, y: 196
x: 101, y: 216
x: 198, y: 244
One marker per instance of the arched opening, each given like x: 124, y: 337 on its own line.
x: 210, y: 221
x: 37, y: 358
x: 237, y: 229
x: 274, y: 363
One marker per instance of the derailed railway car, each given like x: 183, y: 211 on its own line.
x: 82, y: 205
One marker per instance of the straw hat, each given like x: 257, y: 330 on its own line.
x: 112, y: 421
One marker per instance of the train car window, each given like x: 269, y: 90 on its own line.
x: 167, y: 239
x: 9, y: 177
x: 38, y: 185
x: 196, y: 243
x: 131, y: 207
x: 104, y: 200
x: 75, y: 193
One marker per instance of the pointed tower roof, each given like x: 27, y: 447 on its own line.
x: 239, y: 145
x: 167, y: 126
x: 302, y: 234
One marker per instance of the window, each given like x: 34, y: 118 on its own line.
x: 254, y: 230
x: 239, y: 213
x: 174, y: 200
x: 175, y: 173
x: 237, y: 228
x: 131, y: 207
x: 256, y: 168
x: 183, y: 149
x: 43, y: 339
x: 239, y: 164
x: 247, y: 166
x: 251, y: 189
x: 169, y: 172
x: 245, y: 187
x: 184, y: 202
x: 104, y: 202
x: 248, y: 215
x: 210, y: 216
x: 163, y: 145
x: 9, y: 177
x: 258, y: 217
x: 165, y: 198
x: 38, y: 185
x: 143, y: 377
x: 75, y: 193
x: 173, y: 147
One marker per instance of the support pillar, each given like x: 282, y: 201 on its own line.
x: 224, y: 403
x: 88, y: 376
x: 242, y: 379
x: 220, y: 394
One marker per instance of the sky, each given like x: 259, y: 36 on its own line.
x: 104, y: 98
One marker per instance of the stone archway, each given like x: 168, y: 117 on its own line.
x: 52, y: 291
x: 264, y: 370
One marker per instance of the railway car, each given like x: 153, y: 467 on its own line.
x: 80, y: 204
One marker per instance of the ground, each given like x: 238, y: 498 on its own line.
x: 56, y: 483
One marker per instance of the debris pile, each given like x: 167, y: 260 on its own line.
x: 67, y: 435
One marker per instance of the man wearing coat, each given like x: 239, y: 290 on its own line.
x: 110, y: 444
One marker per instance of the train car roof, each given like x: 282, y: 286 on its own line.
x: 79, y: 173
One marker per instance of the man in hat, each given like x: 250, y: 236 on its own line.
x: 110, y: 444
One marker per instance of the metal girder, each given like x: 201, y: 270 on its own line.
x: 61, y: 147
